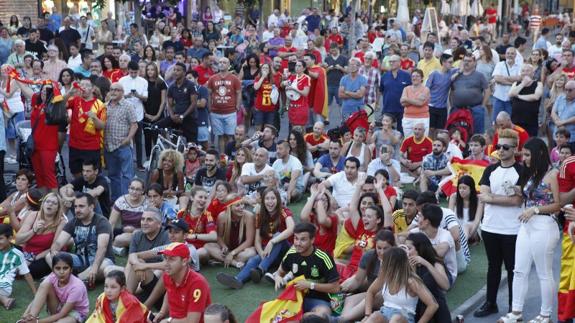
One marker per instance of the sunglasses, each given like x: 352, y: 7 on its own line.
x: 505, y: 147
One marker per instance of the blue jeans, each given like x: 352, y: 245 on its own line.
x: 478, y: 113
x: 332, y: 91
x: 310, y: 303
x: 278, y: 250
x: 499, y: 106
x: 120, y: 170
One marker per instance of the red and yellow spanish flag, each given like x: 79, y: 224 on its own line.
x: 317, y: 96
x: 129, y: 310
x: 287, y: 307
x: 460, y: 167
x: 13, y: 74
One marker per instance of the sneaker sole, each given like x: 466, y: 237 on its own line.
x: 228, y: 281
x: 269, y: 279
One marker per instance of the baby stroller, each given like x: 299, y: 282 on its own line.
x: 462, y: 120
x: 23, y: 131
x: 359, y: 118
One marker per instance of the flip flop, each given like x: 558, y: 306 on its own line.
x: 11, y: 304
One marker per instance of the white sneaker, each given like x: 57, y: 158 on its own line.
x: 10, y: 160
x: 120, y: 252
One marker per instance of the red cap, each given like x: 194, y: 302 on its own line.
x: 176, y: 249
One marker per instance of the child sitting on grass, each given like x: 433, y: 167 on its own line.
x: 13, y: 263
x: 64, y: 294
x: 116, y: 304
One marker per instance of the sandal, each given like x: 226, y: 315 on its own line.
x: 540, y: 319
x: 510, y: 318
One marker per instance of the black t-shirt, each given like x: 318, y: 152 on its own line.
x: 152, y: 105
x: 177, y: 45
x: 368, y: 257
x: 182, y: 95
x: 202, y: 178
x: 231, y: 150
x: 70, y: 36
x: 86, y: 236
x: 37, y: 48
x: 23, y: 31
x: 501, y: 49
x: 80, y: 185
x: 46, y: 35
x: 318, y: 267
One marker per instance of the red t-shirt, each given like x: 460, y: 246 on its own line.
x: 335, y: 38
x: 569, y: 72
x: 389, y: 191
x: 116, y: 75
x: 285, y: 62
x: 224, y: 92
x: 204, y: 74
x: 491, y: 14
x: 298, y: 112
x: 317, y: 55
x: 364, y: 241
x: 83, y: 135
x: 566, y: 180
x: 325, y: 238
x: 407, y: 64
x: 310, y: 139
x: 416, y: 150
x: 198, y: 225
x: 523, y: 137
x: 193, y: 295
x: 263, y: 96
x: 215, y: 208
x: 45, y: 136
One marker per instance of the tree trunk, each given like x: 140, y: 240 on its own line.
x: 261, y: 22
x: 352, y: 40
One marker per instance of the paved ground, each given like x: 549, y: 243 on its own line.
x: 532, y: 302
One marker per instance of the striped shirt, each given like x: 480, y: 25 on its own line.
x: 11, y: 263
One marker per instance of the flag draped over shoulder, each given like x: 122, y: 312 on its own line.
x: 286, y: 307
x: 460, y: 167
x: 318, y: 92
x: 129, y: 310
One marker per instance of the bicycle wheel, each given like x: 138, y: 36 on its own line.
x: 154, y: 158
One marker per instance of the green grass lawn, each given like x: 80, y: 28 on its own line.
x: 245, y: 301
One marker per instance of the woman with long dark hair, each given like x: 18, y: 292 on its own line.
x: 274, y: 228
x: 539, y: 234
x: 467, y: 206
x: 265, y: 110
x: 154, y: 106
x: 398, y: 284
x: 366, y: 274
x: 109, y: 66
x: 298, y: 148
x: 431, y: 269
x: 150, y: 55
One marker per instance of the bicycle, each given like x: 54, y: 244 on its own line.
x: 167, y: 139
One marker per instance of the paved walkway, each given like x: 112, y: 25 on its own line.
x: 532, y: 302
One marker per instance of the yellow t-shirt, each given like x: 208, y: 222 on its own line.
x: 428, y: 67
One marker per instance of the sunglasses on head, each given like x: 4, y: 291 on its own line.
x: 505, y: 147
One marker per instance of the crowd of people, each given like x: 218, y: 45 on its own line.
x: 379, y: 237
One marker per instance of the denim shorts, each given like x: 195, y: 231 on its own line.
x: 223, y: 124
x: 389, y: 312
x: 262, y: 118
x: 203, y: 134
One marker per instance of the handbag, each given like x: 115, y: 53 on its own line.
x: 56, y: 113
x: 29, y: 146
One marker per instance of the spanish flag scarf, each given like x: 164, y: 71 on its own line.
x: 128, y: 310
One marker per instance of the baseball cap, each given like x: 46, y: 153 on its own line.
x: 179, y: 224
x: 176, y: 249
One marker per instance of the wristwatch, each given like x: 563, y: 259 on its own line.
x: 312, y: 286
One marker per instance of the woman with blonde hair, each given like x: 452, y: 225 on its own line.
x: 551, y: 115
x: 236, y: 234
x: 37, y: 234
x: 170, y: 173
x: 401, y: 289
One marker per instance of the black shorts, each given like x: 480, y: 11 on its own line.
x: 437, y: 118
x: 77, y: 156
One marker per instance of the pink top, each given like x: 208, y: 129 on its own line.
x: 414, y: 111
x: 74, y: 292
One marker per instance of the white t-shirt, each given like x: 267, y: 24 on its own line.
x: 141, y: 86
x: 249, y: 169
x: 342, y: 188
x: 502, y: 69
x: 284, y: 171
x: 450, y: 258
x: 498, y: 218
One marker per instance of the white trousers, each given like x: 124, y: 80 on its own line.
x: 536, y: 242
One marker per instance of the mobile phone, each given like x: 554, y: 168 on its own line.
x: 151, y: 316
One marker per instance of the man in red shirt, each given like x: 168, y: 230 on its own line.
x: 224, y: 101
x: 205, y: 69
x: 414, y: 148
x: 123, y: 70
x: 286, y: 51
x: 187, y: 292
x: 364, y: 48
x: 491, y: 14
x: 316, y: 141
x: 406, y: 63
x: 334, y: 37
x: 503, y: 121
x: 566, y: 306
x: 86, y: 127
